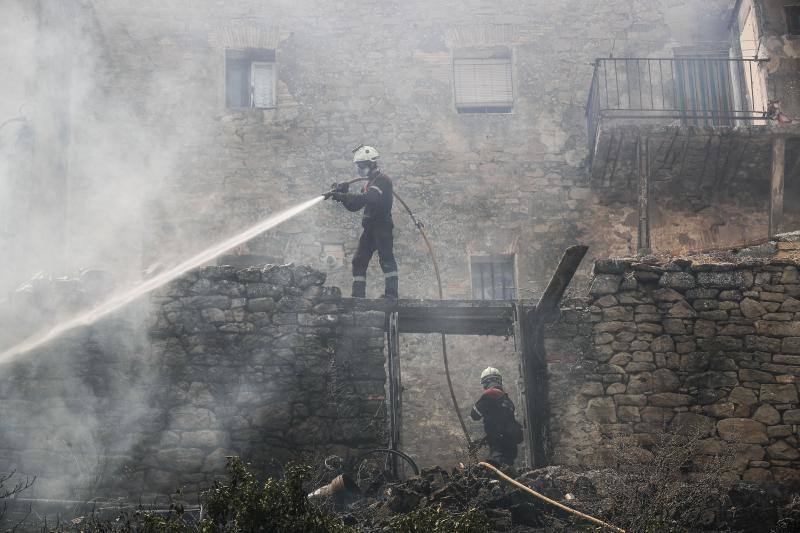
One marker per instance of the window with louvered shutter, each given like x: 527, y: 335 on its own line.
x: 483, y: 84
x: 250, y: 76
x: 263, y: 84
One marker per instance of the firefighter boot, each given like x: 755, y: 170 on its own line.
x: 359, y: 289
x: 391, y: 287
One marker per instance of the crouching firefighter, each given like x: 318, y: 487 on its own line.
x: 375, y: 199
x: 503, y: 432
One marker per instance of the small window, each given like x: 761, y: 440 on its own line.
x: 482, y: 81
x: 493, y: 277
x: 793, y: 19
x: 250, y: 78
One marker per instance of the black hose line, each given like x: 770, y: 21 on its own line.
x: 420, y: 227
x: 400, y: 454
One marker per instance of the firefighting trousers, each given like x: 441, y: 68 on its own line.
x: 375, y: 238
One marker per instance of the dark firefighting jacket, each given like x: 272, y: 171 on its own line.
x: 497, y: 411
x: 376, y: 200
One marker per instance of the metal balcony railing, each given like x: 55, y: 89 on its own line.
x: 703, y: 91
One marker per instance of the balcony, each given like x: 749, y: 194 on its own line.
x: 683, y: 106
x: 690, y: 134
x: 691, y: 91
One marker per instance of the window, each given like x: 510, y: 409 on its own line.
x: 493, y: 277
x: 482, y: 81
x: 250, y: 78
x: 704, y: 89
x: 792, y: 19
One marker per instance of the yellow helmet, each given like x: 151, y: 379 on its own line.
x: 365, y: 153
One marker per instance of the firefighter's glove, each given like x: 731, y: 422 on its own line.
x: 338, y: 196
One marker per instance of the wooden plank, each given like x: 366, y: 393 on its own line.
x: 395, y: 400
x: 525, y: 405
x: 454, y: 317
x: 537, y: 403
x: 362, y: 304
x: 643, y: 166
x: 561, y: 278
x: 455, y: 326
x: 776, y: 191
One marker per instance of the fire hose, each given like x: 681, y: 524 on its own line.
x: 421, y: 228
x: 545, y: 499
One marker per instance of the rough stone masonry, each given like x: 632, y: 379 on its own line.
x: 269, y: 363
x: 707, y: 346
x: 262, y: 362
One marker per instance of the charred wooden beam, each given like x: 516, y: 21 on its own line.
x: 395, y: 399
x: 776, y: 191
x: 453, y: 317
x: 528, y: 331
x: 558, y: 284
x: 643, y: 167
x: 528, y: 406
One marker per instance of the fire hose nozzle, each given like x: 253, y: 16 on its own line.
x: 336, y: 187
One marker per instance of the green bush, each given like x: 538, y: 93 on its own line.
x: 438, y: 520
x: 242, y: 504
x: 277, y: 505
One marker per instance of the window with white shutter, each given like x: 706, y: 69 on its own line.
x: 262, y: 76
x: 483, y: 81
x: 250, y: 77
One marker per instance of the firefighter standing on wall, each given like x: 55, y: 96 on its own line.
x: 376, y: 200
x: 503, y: 432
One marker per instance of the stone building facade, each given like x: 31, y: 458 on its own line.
x: 144, y: 159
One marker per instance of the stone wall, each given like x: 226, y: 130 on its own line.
x: 265, y: 363
x: 702, y: 345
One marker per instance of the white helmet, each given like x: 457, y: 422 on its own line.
x: 491, y: 374
x: 365, y: 153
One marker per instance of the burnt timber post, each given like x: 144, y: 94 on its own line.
x: 525, y: 319
x: 643, y: 170
x: 776, y: 189
x: 395, y: 399
x: 529, y: 326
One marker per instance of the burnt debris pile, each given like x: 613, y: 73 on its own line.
x: 472, y: 499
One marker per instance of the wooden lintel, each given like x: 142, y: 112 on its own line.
x: 498, y: 327
x: 451, y: 317
x: 776, y: 189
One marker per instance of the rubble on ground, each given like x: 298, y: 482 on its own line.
x: 506, y: 508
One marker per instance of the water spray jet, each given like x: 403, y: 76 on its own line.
x: 119, y: 300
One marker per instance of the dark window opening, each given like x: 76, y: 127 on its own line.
x: 493, y: 277
x: 482, y: 81
x: 250, y: 76
x: 793, y: 19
